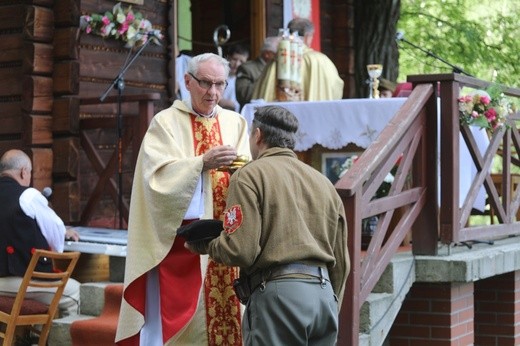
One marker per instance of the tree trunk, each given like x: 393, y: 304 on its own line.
x: 374, y: 36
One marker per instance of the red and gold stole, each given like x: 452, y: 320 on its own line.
x: 222, y: 307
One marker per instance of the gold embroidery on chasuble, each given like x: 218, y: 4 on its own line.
x: 222, y: 307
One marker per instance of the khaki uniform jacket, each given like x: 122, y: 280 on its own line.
x: 281, y: 210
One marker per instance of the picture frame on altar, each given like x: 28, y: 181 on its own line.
x: 331, y: 164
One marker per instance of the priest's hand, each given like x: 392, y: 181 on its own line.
x: 216, y: 157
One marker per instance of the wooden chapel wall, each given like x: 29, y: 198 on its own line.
x: 46, y: 66
x: 26, y: 70
x: 100, y: 61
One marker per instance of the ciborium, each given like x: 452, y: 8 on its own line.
x: 374, y: 72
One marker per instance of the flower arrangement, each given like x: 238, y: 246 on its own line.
x: 122, y: 24
x: 486, y: 109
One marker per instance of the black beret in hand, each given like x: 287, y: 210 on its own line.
x: 201, y: 230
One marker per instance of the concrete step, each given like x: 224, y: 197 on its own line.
x: 60, y: 330
x: 383, y: 304
x: 92, y: 301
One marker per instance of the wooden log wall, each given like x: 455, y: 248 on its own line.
x: 46, y: 66
x: 26, y: 68
x: 84, y: 67
x: 66, y: 198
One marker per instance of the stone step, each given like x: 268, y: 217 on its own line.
x: 92, y: 301
x: 60, y: 330
x: 383, y: 304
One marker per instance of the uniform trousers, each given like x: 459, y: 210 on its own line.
x: 292, y: 312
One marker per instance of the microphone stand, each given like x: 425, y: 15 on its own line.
x: 429, y: 53
x: 119, y: 84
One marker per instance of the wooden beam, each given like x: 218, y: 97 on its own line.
x: 65, y: 200
x: 11, y: 118
x: 11, y: 82
x: 65, y: 115
x: 12, y: 17
x: 66, y: 43
x: 42, y: 167
x: 37, y: 129
x: 67, y: 13
x: 38, y: 58
x: 37, y: 94
x: 66, y: 157
x: 11, y: 48
x: 39, y: 24
x: 66, y: 78
x: 258, y: 27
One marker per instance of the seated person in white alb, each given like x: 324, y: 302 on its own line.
x: 27, y: 223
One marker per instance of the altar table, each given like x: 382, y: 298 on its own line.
x: 335, y: 124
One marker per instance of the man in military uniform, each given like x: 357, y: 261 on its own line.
x: 285, y: 227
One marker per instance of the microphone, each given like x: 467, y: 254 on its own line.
x: 47, y: 192
x: 155, y: 33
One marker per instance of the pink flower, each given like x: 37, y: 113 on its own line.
x: 88, y: 30
x: 484, y: 99
x: 123, y: 28
x: 105, y: 20
x: 474, y: 114
x: 491, y: 114
x: 130, y: 17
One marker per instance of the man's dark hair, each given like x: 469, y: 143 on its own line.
x: 278, y: 126
x: 238, y: 49
x: 302, y: 25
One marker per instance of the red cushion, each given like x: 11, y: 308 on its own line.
x: 29, y: 306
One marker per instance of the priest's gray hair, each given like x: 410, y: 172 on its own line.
x: 193, y: 65
x: 278, y: 126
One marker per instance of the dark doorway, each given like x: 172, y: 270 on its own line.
x: 208, y: 15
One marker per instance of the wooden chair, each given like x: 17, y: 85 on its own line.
x: 19, y: 311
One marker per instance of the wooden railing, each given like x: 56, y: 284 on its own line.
x: 134, y: 127
x: 412, y: 202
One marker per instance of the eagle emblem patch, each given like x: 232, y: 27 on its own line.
x: 232, y: 219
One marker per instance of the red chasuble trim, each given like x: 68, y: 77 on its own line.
x: 222, y: 307
x: 179, y: 269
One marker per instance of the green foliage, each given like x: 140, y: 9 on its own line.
x: 477, y: 36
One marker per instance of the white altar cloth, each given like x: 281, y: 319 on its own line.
x: 334, y: 124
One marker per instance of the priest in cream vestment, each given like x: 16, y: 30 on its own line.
x: 320, y: 80
x: 171, y: 296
